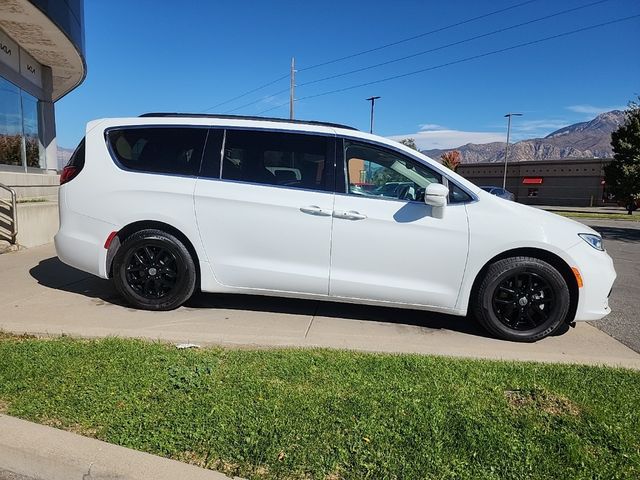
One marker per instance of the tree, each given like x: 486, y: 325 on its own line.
x: 623, y: 173
x: 451, y: 159
x: 409, y: 142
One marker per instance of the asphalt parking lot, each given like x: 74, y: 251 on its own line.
x: 622, y: 241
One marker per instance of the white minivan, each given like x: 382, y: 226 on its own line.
x: 169, y: 203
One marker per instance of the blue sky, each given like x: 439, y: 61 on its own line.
x: 147, y: 55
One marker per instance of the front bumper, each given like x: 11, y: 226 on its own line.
x: 598, y: 275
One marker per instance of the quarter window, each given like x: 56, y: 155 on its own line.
x: 457, y: 195
x: 274, y: 158
x: 168, y: 150
x: 376, y: 172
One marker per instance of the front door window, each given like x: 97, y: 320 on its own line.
x: 374, y: 172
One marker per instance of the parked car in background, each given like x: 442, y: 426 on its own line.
x: 165, y: 204
x: 500, y: 192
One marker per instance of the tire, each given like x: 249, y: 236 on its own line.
x: 522, y: 299
x: 153, y: 270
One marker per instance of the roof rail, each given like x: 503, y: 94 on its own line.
x: 245, y: 117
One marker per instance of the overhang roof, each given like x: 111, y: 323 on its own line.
x: 46, y: 42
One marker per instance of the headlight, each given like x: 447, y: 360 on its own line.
x: 594, y: 240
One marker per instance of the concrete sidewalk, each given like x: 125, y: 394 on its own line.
x: 37, y: 452
x: 40, y: 295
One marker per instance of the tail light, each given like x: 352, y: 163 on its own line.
x: 68, y: 174
x: 75, y: 165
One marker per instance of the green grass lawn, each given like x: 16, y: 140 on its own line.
x: 325, y: 414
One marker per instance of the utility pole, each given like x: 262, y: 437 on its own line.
x: 292, y: 88
x: 373, y: 102
x: 506, y: 149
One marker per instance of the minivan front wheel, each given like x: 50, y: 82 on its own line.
x: 153, y: 270
x: 522, y: 299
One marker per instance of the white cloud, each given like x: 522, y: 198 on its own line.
x: 592, y: 109
x: 547, y: 125
x: 524, y: 129
x: 431, y: 126
x: 428, y: 139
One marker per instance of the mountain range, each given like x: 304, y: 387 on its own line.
x: 591, y: 139
x: 64, y: 154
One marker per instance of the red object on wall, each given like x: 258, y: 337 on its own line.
x: 532, y: 181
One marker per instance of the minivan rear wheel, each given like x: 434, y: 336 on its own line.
x: 522, y: 299
x: 153, y: 270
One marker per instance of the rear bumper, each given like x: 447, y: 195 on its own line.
x: 80, y: 241
x: 598, y: 275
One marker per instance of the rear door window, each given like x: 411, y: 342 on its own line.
x: 164, y: 150
x: 284, y: 159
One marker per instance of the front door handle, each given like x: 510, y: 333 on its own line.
x: 315, y: 210
x: 350, y: 215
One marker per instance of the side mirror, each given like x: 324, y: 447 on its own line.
x: 436, y: 195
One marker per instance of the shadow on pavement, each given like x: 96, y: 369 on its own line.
x: 629, y: 235
x: 347, y: 311
x: 52, y: 273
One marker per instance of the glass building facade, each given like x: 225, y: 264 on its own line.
x: 19, y: 128
x: 41, y: 60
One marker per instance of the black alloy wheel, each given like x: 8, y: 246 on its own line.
x: 522, y: 299
x: 153, y: 270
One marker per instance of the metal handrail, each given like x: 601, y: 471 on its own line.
x: 14, y: 212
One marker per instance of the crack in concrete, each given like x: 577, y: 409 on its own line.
x: 87, y: 476
x: 315, y: 312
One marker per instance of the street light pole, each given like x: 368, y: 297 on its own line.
x: 506, y: 149
x: 373, y: 102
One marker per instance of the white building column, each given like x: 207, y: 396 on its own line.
x: 47, y: 119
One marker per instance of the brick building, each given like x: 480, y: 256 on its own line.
x: 566, y: 182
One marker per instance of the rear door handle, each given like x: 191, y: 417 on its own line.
x: 315, y: 210
x: 350, y: 215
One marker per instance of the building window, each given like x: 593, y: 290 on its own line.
x: 34, y: 153
x: 19, y: 128
x: 10, y: 125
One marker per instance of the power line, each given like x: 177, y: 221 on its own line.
x: 398, y: 42
x: 486, y: 54
x: 248, y: 92
x: 256, y: 101
x: 462, y: 60
x: 420, y: 35
x: 459, y: 42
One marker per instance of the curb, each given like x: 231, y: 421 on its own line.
x: 50, y: 454
x: 573, y: 210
